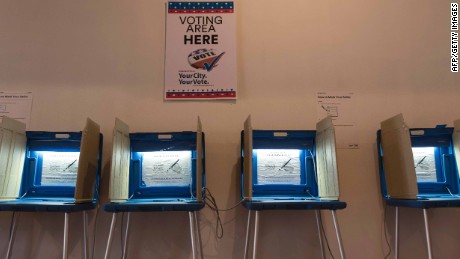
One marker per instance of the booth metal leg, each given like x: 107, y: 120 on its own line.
x: 248, y: 226
x: 66, y: 235
x: 12, y: 234
x: 198, y: 234
x: 337, y: 232
x: 320, y: 233
x: 427, y: 232
x: 396, y: 232
x: 125, y: 242
x: 192, y: 234
x: 256, y: 233
x: 85, y: 234
x: 109, y: 241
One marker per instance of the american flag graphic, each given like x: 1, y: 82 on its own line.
x: 200, y: 7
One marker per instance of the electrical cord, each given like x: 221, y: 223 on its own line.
x: 324, y: 234
x: 191, y: 189
x: 454, y: 195
x: 385, y: 231
x: 130, y: 197
x: 212, y: 204
x: 314, y: 166
x: 214, y: 207
x: 320, y: 216
x: 23, y: 195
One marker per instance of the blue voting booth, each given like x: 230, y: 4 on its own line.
x: 418, y: 169
x: 289, y: 170
x: 157, y: 172
x: 49, y: 172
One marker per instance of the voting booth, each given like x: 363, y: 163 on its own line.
x: 43, y: 171
x: 418, y: 168
x: 157, y: 171
x: 289, y: 170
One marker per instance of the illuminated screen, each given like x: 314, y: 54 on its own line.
x: 166, y: 168
x: 278, y: 166
x: 59, y: 168
x: 425, y: 165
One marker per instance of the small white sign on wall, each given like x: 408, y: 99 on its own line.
x: 200, y: 60
x: 16, y: 105
x: 340, y: 106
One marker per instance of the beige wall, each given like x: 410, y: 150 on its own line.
x: 105, y: 58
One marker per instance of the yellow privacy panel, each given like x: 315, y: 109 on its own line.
x: 247, y: 158
x: 12, y: 154
x: 199, y: 161
x: 398, y: 160
x: 88, y: 162
x: 119, y: 173
x: 328, y: 182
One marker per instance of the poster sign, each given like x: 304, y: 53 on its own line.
x: 340, y: 106
x: 200, y: 60
x: 16, y: 105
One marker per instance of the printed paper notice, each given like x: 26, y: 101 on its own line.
x: 59, y: 168
x: 200, y: 60
x: 17, y: 106
x: 340, y: 106
x: 166, y: 168
x: 278, y: 166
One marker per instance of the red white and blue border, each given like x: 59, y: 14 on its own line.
x: 200, y: 7
x: 201, y: 95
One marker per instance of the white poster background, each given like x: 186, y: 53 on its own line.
x: 16, y: 105
x: 340, y: 106
x: 197, y: 21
